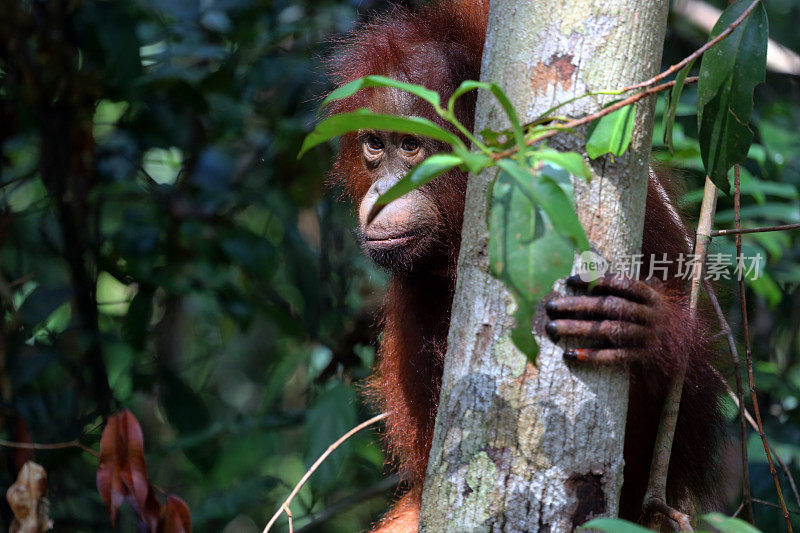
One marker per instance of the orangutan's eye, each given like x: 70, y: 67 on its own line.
x: 374, y: 143
x: 410, y: 145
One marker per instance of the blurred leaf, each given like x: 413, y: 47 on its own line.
x: 330, y: 417
x: 187, y: 413
x: 726, y: 524
x: 781, y: 213
x: 613, y: 525
x: 213, y: 172
x: 174, y: 516
x: 108, y: 35
x: 253, y: 253
x: 41, y: 303
x: 229, y: 502
x: 137, y: 320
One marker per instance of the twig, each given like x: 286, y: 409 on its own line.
x: 740, y: 231
x: 345, y: 503
x: 285, y: 505
x: 697, y: 53
x: 593, y: 116
x: 749, y: 355
x: 775, y: 505
x: 656, y: 495
x: 48, y: 446
x: 726, y: 330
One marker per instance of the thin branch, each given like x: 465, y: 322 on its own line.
x: 775, y: 505
x: 593, y: 116
x: 49, y: 446
x: 697, y: 53
x: 656, y: 496
x: 285, y: 505
x: 749, y: 355
x: 740, y: 231
x: 726, y: 330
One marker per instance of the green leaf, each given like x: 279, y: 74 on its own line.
x: 349, y: 89
x: 614, y: 525
x: 505, y: 103
x: 611, y: 134
x: 525, y: 251
x: 673, y: 99
x: 366, y: 119
x: 729, y: 73
x: 545, y: 192
x: 472, y: 161
x: 726, y: 524
x: 492, y: 138
x: 572, y: 162
x: 422, y: 173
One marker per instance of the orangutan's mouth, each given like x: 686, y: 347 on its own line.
x: 386, y: 242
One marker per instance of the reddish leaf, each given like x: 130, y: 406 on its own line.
x: 122, y: 471
x: 134, y: 473
x: 152, y: 511
x: 109, y: 481
x: 175, y: 516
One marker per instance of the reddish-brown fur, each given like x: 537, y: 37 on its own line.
x: 439, y: 47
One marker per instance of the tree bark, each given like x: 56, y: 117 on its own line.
x: 518, y: 447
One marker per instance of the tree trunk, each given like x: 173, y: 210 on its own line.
x: 518, y: 447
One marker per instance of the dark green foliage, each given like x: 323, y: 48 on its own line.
x: 729, y: 72
x: 213, y: 287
